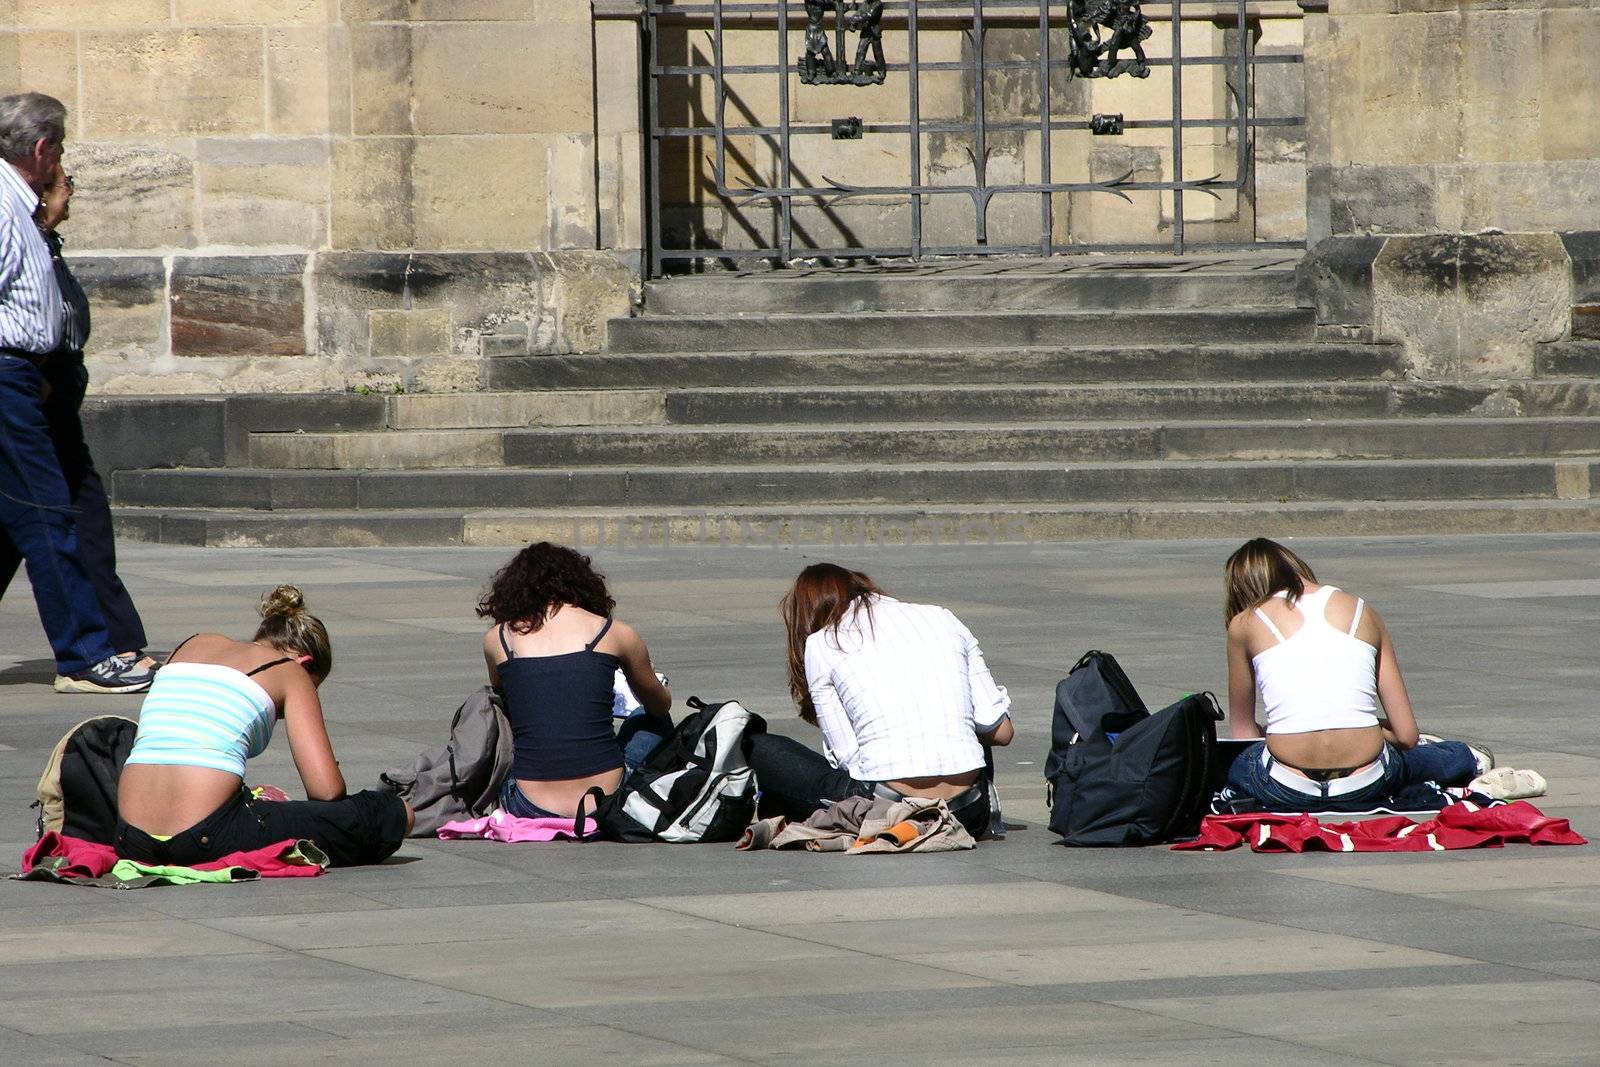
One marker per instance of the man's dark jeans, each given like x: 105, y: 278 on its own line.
x: 36, y: 513
x: 97, y: 548
x: 795, y: 781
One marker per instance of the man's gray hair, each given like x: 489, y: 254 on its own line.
x: 28, y: 118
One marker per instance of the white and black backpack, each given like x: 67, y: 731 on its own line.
x: 697, y: 786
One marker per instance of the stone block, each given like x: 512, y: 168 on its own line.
x: 239, y: 306
x: 51, y: 14
x: 45, y: 62
x: 424, y: 332
x: 305, y: 72
x: 1409, y: 88
x: 371, y: 193
x: 380, y: 79
x: 571, y: 198
x: 1368, y: 199
x: 1280, y: 201
x: 485, y: 192
x: 1531, y: 197
x: 465, y: 10
x: 264, y: 193
x: 132, y: 195
x: 1500, y: 52
x: 1472, y: 307
x: 585, y: 290
x: 127, y: 301
x: 255, y: 12
x: 1570, y: 116
x: 188, y: 81
x: 523, y: 78
x: 1583, y: 250
x: 1100, y: 217
x: 1335, y: 278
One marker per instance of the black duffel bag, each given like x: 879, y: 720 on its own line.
x: 1130, y: 777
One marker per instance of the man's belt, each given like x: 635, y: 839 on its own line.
x: 36, y: 358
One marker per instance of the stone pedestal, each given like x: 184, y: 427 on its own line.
x: 1454, y: 151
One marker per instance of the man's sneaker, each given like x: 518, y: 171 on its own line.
x: 110, y: 675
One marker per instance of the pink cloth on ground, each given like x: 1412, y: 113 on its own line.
x: 498, y: 826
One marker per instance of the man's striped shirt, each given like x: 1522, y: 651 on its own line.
x: 31, y: 311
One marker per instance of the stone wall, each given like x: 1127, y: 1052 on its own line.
x: 319, y: 194
x: 1454, y: 158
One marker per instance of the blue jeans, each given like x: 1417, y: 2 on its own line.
x: 639, y: 735
x: 36, y: 513
x: 1445, y: 762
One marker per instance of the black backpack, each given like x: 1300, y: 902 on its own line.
x: 696, y: 786
x: 78, y: 790
x: 1132, y: 778
x: 1094, y: 688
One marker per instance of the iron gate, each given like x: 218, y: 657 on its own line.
x: 679, y: 124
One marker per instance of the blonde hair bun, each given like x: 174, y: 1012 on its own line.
x: 286, y: 602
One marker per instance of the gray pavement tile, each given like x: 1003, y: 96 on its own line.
x: 1206, y: 1051
x: 1526, y: 1022
x: 703, y: 961
x: 51, y: 998
x: 112, y: 941
x: 44, y: 1051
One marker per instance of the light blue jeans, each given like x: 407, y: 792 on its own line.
x: 1444, y: 762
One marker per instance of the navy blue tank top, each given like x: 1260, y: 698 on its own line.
x: 560, y: 712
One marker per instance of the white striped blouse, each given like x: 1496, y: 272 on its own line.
x: 203, y: 715
x: 31, y: 311
x: 904, y: 695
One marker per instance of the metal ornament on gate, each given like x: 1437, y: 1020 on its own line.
x: 1098, y: 29
x: 821, y: 66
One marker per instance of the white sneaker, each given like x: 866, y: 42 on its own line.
x: 1508, y: 783
x: 110, y: 675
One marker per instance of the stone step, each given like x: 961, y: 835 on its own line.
x: 1005, y: 287
x: 900, y: 483
x: 1269, y: 360
x: 898, y: 330
x: 845, y: 527
x: 1137, y: 401
x: 1064, y: 442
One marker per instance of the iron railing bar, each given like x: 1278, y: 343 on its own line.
x: 693, y: 70
x: 900, y: 191
x: 901, y: 252
x: 962, y: 127
x: 1177, y: 125
x: 719, y: 103
x: 895, y: 7
x: 980, y: 158
x: 785, y: 159
x: 1245, y: 102
x: 653, y: 182
x: 913, y: 54
x: 1046, y: 200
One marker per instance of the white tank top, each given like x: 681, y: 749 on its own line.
x: 1321, y: 678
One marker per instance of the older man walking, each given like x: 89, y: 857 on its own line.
x: 35, y: 504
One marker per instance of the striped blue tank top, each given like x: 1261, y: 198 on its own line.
x: 203, y: 715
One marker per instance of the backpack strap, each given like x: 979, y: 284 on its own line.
x: 590, y: 646
x: 577, y: 820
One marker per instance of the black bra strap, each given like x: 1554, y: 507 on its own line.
x: 504, y: 643
x: 185, y: 641
x: 268, y: 666
x: 590, y: 646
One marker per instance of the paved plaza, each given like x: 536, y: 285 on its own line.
x: 1021, y: 951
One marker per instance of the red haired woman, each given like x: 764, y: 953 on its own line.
x: 904, y: 699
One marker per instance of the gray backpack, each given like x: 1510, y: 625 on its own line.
x: 462, y: 778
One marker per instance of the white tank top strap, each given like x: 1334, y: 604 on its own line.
x: 1268, y: 623
x: 1356, y: 619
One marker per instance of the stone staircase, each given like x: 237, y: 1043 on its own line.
x: 1007, y: 401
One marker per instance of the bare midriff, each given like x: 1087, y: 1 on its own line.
x: 166, y: 799
x: 562, y: 796
x: 1320, y: 750
x: 940, y: 787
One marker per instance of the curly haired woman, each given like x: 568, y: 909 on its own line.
x: 553, y: 652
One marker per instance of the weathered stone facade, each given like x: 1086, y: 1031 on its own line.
x: 1454, y: 151
x: 281, y: 195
